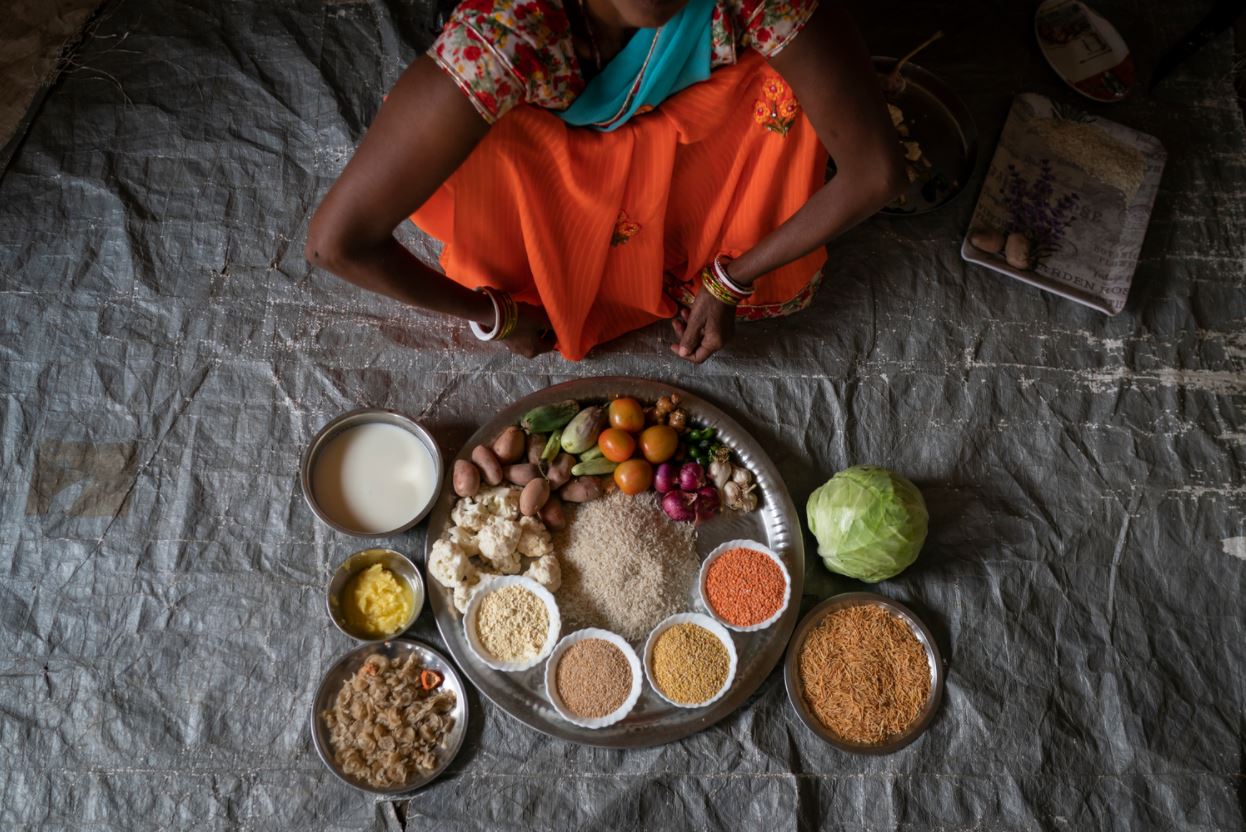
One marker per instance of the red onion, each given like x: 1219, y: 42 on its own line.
x: 680, y: 506
x: 707, y: 504
x: 666, y: 478
x: 691, y: 476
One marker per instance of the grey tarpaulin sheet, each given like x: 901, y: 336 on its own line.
x: 166, y: 353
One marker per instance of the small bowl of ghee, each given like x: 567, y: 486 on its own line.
x: 375, y: 595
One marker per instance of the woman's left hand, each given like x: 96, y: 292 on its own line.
x: 533, y: 333
x: 704, y: 329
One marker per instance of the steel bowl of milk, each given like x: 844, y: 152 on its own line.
x: 371, y: 473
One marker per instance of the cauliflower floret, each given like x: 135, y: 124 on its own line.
x: 532, y: 524
x: 509, y: 565
x: 449, y: 564
x: 463, y: 593
x: 469, y: 513
x: 464, y: 539
x: 534, y: 542
x: 546, y: 572
x: 501, y: 501
x: 498, y: 540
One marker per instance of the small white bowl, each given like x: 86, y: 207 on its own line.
x: 701, y: 621
x: 473, y: 609
x: 756, y: 547
x: 551, y: 678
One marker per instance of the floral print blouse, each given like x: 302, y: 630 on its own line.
x: 503, y: 53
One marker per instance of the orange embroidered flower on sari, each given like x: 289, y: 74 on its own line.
x: 776, y: 109
x: 624, y: 230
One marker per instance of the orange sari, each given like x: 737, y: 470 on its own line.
x: 608, y: 232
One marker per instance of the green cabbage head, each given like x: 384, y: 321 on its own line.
x: 870, y: 523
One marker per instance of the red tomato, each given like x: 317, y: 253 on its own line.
x: 616, y: 445
x: 659, y: 443
x: 634, y: 476
x: 626, y: 414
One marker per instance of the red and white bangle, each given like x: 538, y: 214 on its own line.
x: 720, y: 271
x: 717, y: 282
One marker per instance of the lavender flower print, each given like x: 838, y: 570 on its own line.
x: 1034, y: 210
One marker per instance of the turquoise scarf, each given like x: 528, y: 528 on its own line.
x: 665, y: 61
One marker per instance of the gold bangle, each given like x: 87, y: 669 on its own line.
x: 511, y: 317
x: 719, y: 292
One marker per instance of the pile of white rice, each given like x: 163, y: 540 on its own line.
x: 625, y: 565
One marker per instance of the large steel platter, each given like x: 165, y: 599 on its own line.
x: 653, y: 722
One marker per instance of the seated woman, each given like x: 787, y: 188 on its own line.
x: 595, y: 165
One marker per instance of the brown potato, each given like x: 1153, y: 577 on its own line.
x: 466, y: 478
x: 510, y: 444
x: 581, y: 490
x: 991, y: 242
x: 487, y: 461
x: 521, y: 474
x: 1017, y: 251
x: 560, y: 470
x: 552, y: 514
x: 536, y: 444
x: 533, y: 497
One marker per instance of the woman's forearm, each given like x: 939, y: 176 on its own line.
x: 837, y: 206
x: 390, y: 269
x: 425, y: 129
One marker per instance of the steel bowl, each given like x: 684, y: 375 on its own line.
x: 945, y: 129
x: 354, y: 419
x: 795, y: 692
x: 395, y: 562
x: 346, y: 667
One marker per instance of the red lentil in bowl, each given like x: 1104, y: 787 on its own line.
x: 745, y: 585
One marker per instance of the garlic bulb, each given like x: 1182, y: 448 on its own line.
x: 739, y: 497
x: 720, y: 473
x: 742, y: 476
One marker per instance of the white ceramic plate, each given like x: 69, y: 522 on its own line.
x: 1084, y: 49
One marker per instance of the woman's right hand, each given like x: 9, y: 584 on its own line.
x: 532, y: 335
